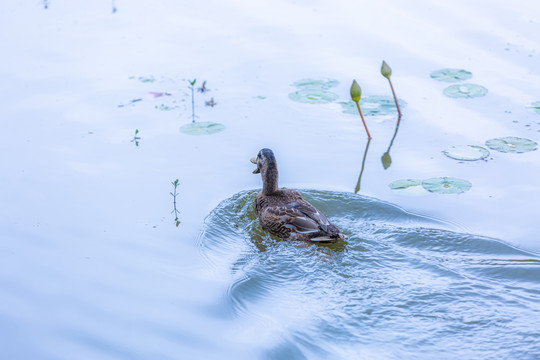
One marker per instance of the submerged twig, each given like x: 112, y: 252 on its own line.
x: 386, y: 71
x: 356, y: 93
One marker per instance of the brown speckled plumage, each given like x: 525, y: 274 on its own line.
x: 284, y: 212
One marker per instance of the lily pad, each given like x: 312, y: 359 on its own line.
x: 313, y: 96
x: 373, y: 105
x: 404, y: 184
x: 467, y: 152
x: 451, y: 75
x: 446, y: 185
x: 465, y: 91
x: 202, y: 128
x: 511, y: 144
x: 535, y: 106
x: 320, y: 84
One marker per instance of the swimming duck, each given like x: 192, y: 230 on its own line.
x: 284, y: 213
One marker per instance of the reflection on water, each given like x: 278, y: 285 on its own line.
x: 399, y: 287
x: 357, y: 187
x: 386, y: 159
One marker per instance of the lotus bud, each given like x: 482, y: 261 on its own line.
x: 386, y: 71
x: 356, y: 92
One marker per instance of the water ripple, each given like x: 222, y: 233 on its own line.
x: 400, y: 286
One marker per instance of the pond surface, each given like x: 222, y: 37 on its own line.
x: 93, y: 263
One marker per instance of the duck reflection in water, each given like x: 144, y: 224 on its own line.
x: 284, y: 213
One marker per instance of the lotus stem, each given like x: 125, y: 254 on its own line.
x: 363, y: 121
x: 395, y: 98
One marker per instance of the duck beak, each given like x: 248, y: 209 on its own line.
x: 254, y: 161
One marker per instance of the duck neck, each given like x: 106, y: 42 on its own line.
x: 270, y: 180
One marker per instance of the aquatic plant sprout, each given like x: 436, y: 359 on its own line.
x: 313, y: 96
x: 386, y: 71
x: 451, y: 75
x: 511, y: 144
x: 465, y: 91
x: 446, y: 185
x: 202, y: 128
x: 467, y: 152
x: 356, y: 94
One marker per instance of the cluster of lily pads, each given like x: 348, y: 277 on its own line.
x: 509, y: 144
x: 452, y: 185
x: 458, y: 90
x: 170, y: 101
x: 318, y: 91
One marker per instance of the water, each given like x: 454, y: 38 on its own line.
x: 399, y: 287
x: 92, y: 264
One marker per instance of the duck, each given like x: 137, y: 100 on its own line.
x: 284, y: 213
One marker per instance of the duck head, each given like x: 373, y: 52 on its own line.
x: 267, y: 167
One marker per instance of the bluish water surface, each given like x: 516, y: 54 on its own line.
x: 400, y: 287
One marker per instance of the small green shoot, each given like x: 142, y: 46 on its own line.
x: 136, y: 138
x: 356, y: 94
x: 175, y: 210
x: 386, y: 71
x: 192, y: 88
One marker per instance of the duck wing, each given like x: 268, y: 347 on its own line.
x: 297, y: 216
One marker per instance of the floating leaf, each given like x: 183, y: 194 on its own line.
x: 404, y: 184
x: 164, y: 107
x: 465, y: 91
x: 467, y: 152
x: 511, y: 144
x: 446, y: 185
x: 146, y: 79
x: 535, y: 106
x: 260, y: 97
x: 373, y: 106
x: 202, y: 128
x: 451, y: 75
x: 320, y: 84
x: 313, y: 96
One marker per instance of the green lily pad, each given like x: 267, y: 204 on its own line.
x: 373, y: 105
x: 451, y: 75
x: 511, y: 144
x: 465, y: 91
x: 404, y: 184
x: 446, y: 185
x: 202, y: 128
x: 535, y: 106
x: 320, y: 84
x: 313, y: 96
x: 467, y: 153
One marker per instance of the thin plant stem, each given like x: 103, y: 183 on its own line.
x: 395, y: 99
x: 192, y: 104
x: 362, y: 116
